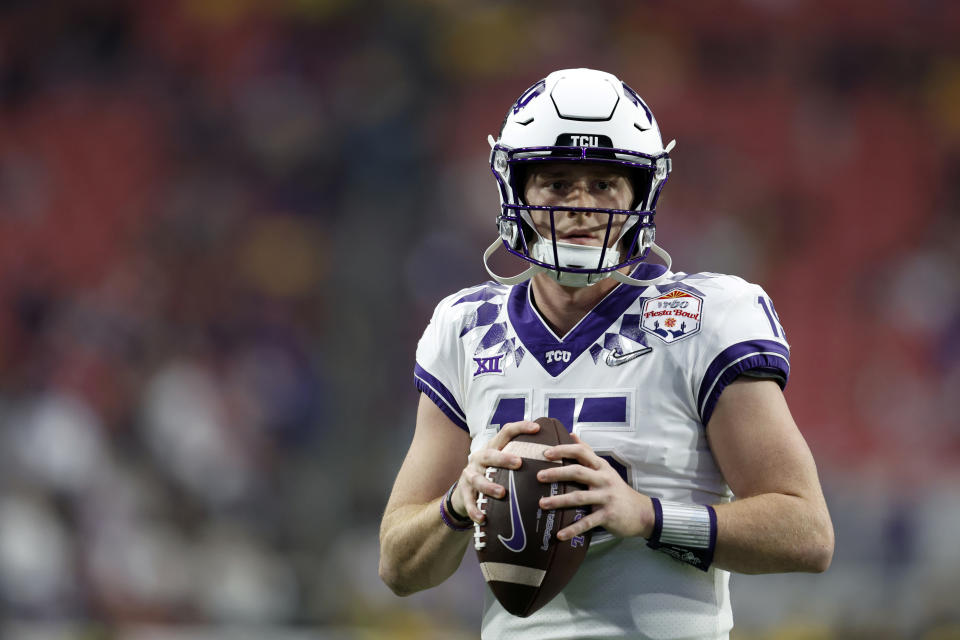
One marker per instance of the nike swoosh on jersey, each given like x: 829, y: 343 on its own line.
x: 518, y: 539
x: 617, y: 359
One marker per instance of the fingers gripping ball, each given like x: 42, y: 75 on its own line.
x: 520, y: 556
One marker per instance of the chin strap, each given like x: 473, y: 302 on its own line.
x: 620, y: 277
x: 523, y: 276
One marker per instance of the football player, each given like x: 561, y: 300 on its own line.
x: 671, y: 383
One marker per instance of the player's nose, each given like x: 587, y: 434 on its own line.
x: 580, y: 196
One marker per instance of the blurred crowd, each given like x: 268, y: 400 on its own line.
x: 224, y: 224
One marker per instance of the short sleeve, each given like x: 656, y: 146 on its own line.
x: 437, y: 372
x: 744, y: 336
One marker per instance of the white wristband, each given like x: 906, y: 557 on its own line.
x: 685, y: 525
x: 685, y: 532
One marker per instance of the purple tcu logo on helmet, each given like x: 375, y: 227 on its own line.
x: 529, y: 95
x: 637, y: 100
x: 492, y: 364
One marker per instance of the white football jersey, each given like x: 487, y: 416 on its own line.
x: 637, y: 379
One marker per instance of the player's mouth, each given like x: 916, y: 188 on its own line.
x: 581, y: 236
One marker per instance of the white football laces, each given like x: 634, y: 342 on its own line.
x: 479, y: 535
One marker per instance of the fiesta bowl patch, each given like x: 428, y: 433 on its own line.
x: 673, y: 315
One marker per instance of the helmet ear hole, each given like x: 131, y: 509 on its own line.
x: 518, y: 182
x: 627, y: 243
x: 640, y: 180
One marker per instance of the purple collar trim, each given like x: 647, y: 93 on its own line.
x: 556, y: 355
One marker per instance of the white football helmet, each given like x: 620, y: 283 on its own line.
x: 579, y: 115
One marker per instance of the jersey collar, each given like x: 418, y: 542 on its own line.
x: 552, y: 352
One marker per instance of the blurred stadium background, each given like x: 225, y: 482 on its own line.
x: 224, y: 224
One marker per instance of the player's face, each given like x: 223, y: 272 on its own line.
x: 579, y: 185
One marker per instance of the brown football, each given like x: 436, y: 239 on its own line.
x: 520, y: 556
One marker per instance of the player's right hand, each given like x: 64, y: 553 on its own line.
x: 473, y: 480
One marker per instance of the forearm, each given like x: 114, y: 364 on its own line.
x: 417, y: 551
x: 773, y: 533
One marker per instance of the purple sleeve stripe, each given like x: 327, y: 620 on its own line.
x: 734, y: 360
x: 441, y: 396
x: 441, y: 403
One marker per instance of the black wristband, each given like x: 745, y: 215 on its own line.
x: 448, y: 503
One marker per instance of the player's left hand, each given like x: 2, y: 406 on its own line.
x: 616, y: 506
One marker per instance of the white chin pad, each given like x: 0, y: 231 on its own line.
x: 577, y: 256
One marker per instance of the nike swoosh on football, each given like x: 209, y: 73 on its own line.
x: 617, y: 359
x: 518, y: 539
